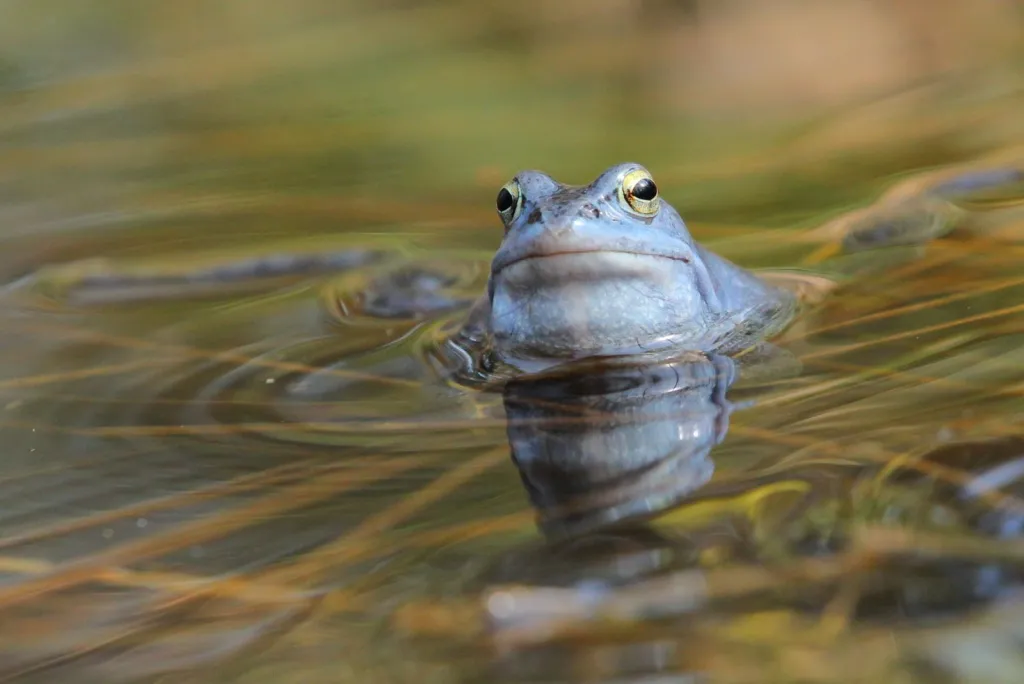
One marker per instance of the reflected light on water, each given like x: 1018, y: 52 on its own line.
x: 302, y: 476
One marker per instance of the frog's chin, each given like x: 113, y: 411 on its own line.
x: 580, y: 304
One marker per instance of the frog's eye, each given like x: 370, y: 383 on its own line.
x: 639, y: 193
x: 510, y: 201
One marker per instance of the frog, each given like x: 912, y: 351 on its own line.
x: 610, y: 269
x: 606, y: 269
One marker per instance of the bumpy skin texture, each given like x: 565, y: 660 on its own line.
x: 581, y: 274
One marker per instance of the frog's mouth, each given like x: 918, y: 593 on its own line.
x: 600, y: 261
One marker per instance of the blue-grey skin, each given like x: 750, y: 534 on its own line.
x: 579, y: 273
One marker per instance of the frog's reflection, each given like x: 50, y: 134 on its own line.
x: 602, y: 442
x: 601, y: 447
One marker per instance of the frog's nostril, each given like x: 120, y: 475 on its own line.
x: 589, y: 209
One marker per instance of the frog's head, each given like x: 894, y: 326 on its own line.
x: 600, y: 269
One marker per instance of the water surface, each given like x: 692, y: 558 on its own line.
x: 266, y: 484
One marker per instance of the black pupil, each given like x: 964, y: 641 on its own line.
x: 645, y: 189
x: 505, y: 200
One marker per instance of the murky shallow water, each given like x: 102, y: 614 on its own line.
x: 266, y: 485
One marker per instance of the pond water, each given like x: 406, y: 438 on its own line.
x: 263, y: 481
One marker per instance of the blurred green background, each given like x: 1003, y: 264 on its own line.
x: 353, y: 116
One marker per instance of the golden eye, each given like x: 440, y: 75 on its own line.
x: 639, y: 192
x: 510, y: 201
